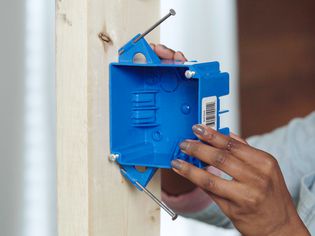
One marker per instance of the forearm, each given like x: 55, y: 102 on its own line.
x: 293, y: 146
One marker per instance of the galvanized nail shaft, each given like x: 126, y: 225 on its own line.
x: 156, y: 200
x: 161, y: 204
x: 171, y: 13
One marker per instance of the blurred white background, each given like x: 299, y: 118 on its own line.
x: 203, y: 29
x: 27, y: 140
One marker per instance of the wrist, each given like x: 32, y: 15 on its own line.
x: 294, y: 227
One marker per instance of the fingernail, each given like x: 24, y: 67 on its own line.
x: 198, y: 129
x: 176, y: 164
x: 152, y: 45
x: 184, y: 58
x: 163, y: 46
x: 183, y: 145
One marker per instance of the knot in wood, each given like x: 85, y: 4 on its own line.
x: 105, y: 38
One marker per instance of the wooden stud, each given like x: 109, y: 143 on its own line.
x: 93, y: 198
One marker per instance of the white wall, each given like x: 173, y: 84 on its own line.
x: 11, y: 118
x: 27, y: 121
x: 205, y: 30
x: 39, y: 163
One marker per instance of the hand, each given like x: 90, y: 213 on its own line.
x: 166, y: 53
x: 256, y: 199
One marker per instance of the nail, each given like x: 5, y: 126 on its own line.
x: 177, y: 164
x: 183, y: 145
x: 198, y: 129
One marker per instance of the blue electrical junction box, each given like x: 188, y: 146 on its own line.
x: 153, y: 106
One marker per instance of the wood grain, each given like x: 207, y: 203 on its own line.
x: 93, y: 198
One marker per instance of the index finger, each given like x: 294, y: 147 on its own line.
x: 239, y: 149
x: 166, y: 53
x: 163, y: 52
x: 228, y: 189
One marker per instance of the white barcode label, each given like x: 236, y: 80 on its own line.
x: 209, y: 111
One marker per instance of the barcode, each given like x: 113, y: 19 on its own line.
x: 209, y: 107
x: 210, y: 114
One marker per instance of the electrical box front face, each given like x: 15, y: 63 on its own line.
x: 154, y: 106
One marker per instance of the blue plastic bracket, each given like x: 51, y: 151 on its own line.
x: 130, y: 49
x: 153, y: 106
x: 134, y: 175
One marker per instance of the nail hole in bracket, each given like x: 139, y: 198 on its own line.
x: 139, y: 58
x: 141, y: 168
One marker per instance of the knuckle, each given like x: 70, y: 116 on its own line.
x: 208, y: 184
x: 263, y: 181
x: 186, y: 170
x: 231, y: 144
x: 253, y: 201
x: 270, y: 165
x: 220, y: 158
x: 194, y: 147
x: 265, y: 184
x: 209, y: 135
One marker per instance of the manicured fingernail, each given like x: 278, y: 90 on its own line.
x: 176, y: 164
x: 183, y: 145
x: 198, y: 129
x: 152, y: 45
x: 163, y: 46
x: 183, y: 55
